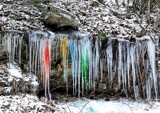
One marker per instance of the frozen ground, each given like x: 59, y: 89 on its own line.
x: 116, y: 106
x: 24, y: 103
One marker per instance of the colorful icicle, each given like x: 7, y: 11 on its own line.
x: 40, y: 57
x: 132, y: 62
x: 46, y: 59
x: 84, y: 67
x: 64, y: 47
x: 73, y: 50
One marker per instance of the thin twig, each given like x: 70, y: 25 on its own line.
x: 69, y: 109
x: 83, y: 107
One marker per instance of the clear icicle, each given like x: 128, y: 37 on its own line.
x: 97, y: 57
x: 128, y: 64
x: 79, y: 70
x: 133, y: 61
x: 119, y: 63
x: 109, y: 54
x: 151, y: 55
x: 14, y: 45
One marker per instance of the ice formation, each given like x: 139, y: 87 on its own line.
x: 14, y: 43
x: 131, y: 62
x: 40, y: 56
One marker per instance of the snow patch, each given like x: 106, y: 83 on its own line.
x: 114, y: 106
x: 15, y: 71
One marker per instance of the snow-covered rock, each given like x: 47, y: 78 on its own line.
x: 13, y: 81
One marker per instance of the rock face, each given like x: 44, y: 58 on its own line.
x: 12, y: 81
x: 58, y: 18
x: 3, y: 47
x: 18, y: 15
x: 1, y: 26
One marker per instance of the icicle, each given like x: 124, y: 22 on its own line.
x: 124, y: 64
x: 79, y: 70
x: 133, y: 61
x: 120, y: 65
x: 46, y: 65
x: 14, y: 45
x: 87, y: 64
x: 40, y: 56
x: 90, y: 66
x: 81, y: 56
x: 64, y: 47
x: 73, y: 51
x: 84, y: 66
x: 151, y: 55
x: 97, y: 58
x: 128, y: 64
x: 109, y: 54
x: 101, y: 69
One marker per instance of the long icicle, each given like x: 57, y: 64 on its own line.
x: 46, y: 66
x: 64, y: 46
x: 84, y: 67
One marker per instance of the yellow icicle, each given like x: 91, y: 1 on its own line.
x: 64, y: 50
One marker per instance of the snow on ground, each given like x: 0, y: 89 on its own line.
x: 116, y: 106
x: 23, y: 103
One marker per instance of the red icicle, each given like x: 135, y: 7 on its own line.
x: 46, y: 58
x: 46, y: 62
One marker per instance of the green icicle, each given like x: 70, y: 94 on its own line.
x: 84, y: 67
